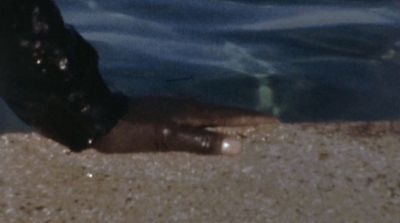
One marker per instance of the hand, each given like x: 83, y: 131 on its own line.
x: 165, y: 124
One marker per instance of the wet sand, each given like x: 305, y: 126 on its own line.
x: 286, y: 173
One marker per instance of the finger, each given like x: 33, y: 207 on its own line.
x: 197, y: 114
x: 186, y: 138
x: 202, y: 115
x: 128, y: 137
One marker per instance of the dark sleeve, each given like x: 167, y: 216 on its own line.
x: 49, y: 75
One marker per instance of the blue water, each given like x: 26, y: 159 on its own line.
x: 314, y: 60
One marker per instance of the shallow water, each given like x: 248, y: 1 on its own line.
x: 319, y: 60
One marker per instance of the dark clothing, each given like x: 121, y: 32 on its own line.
x: 49, y: 75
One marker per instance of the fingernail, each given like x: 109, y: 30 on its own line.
x: 230, y: 146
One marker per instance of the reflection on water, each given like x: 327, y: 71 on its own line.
x: 319, y: 60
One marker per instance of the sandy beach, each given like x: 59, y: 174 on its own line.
x: 285, y: 173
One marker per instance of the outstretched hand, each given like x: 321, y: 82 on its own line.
x: 165, y: 124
